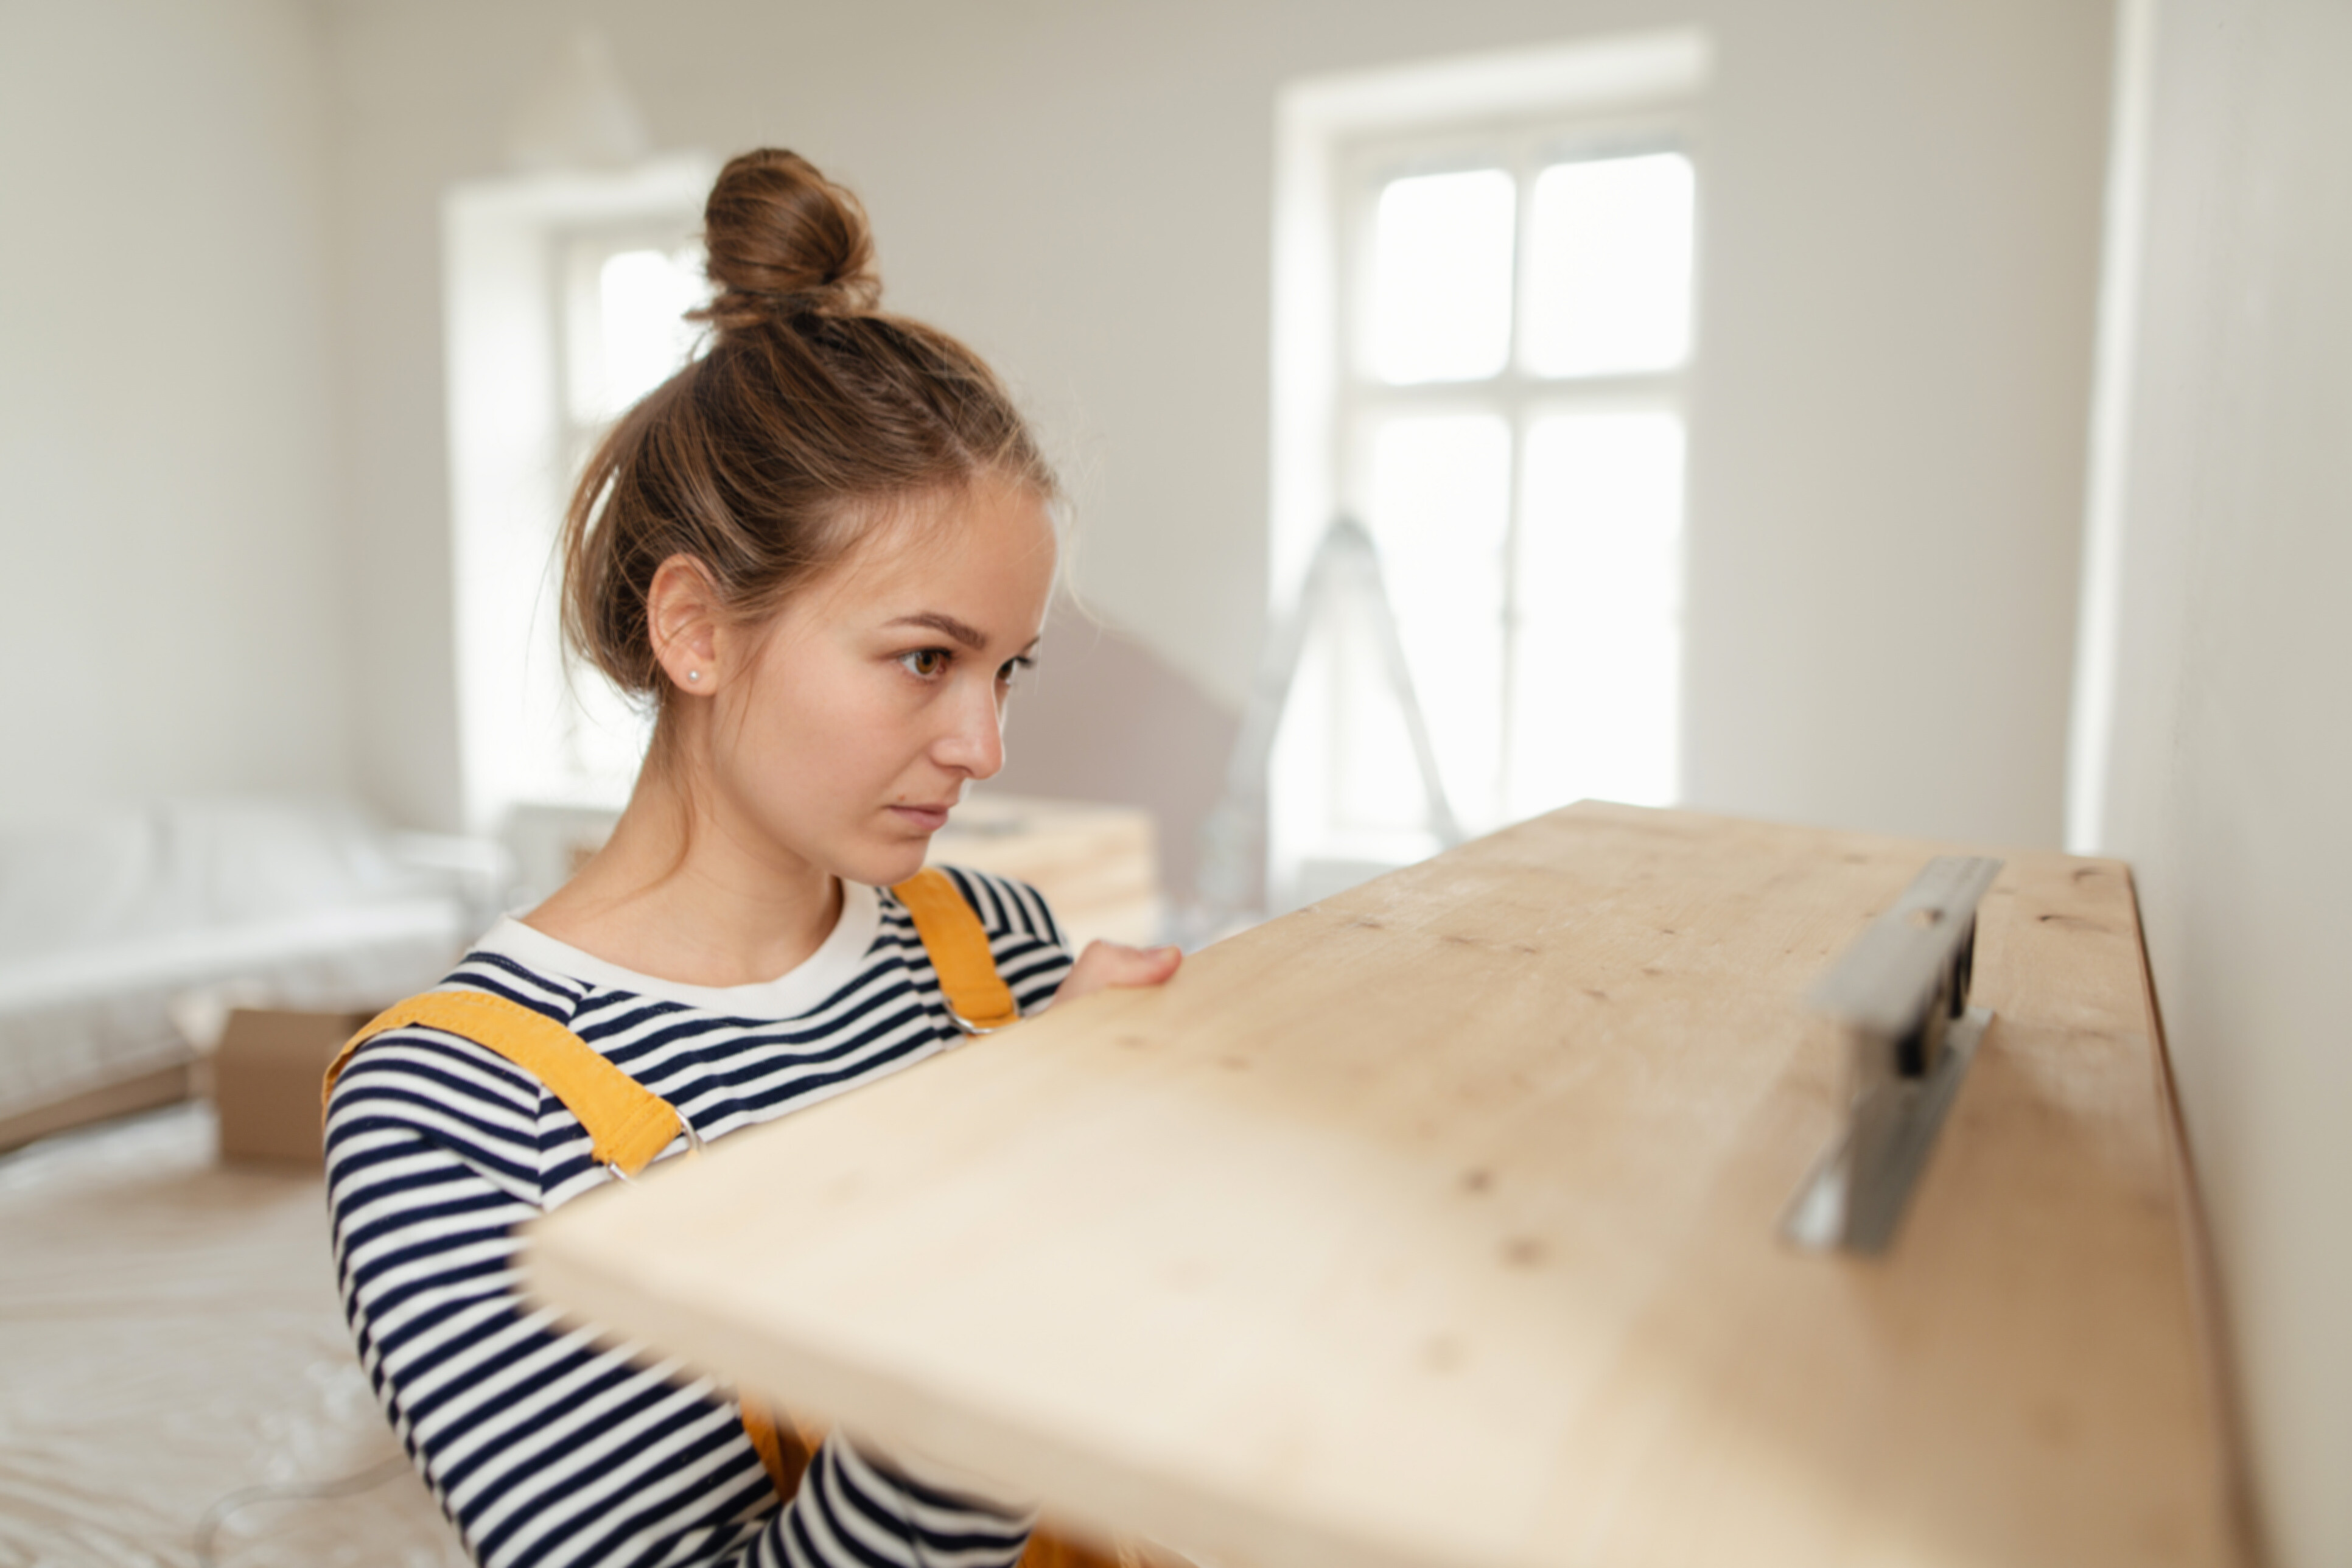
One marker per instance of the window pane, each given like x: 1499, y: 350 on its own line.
x: 623, y: 328
x: 1609, y: 266
x: 1439, y: 509
x: 1441, y: 304
x: 641, y: 297
x: 1597, y: 659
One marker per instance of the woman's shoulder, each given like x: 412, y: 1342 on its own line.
x: 429, y: 1083
x: 449, y: 1032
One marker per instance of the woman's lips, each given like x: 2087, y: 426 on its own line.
x: 929, y: 818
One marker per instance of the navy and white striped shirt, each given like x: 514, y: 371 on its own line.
x: 552, y: 1445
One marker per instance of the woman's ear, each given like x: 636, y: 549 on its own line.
x: 683, y: 621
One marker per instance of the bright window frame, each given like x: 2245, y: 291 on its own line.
x: 515, y: 452
x: 1523, y: 150
x: 1339, y: 140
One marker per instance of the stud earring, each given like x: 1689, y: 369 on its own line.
x: 694, y: 675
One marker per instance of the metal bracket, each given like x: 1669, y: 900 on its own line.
x: 1899, y: 999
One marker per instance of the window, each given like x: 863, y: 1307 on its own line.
x: 565, y: 296
x: 1505, y: 334
x: 1512, y: 434
x: 624, y: 298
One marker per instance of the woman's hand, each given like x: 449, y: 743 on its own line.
x: 1107, y: 963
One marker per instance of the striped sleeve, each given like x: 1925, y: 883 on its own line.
x: 543, y: 1444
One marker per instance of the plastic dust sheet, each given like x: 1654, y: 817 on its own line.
x: 169, y: 1340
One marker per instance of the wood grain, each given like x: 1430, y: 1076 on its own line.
x: 1434, y: 1224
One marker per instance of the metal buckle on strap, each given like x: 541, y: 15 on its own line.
x: 968, y: 1028
x: 693, y: 1146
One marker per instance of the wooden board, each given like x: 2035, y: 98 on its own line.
x: 1434, y: 1224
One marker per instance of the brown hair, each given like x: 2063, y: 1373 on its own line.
x: 807, y: 418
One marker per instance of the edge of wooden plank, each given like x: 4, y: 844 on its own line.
x: 1185, y: 1512
x: 2216, y: 1359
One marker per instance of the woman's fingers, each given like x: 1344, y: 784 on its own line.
x: 1107, y: 963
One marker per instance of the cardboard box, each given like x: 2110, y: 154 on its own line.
x: 266, y: 1077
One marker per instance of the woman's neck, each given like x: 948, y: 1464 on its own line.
x: 684, y: 894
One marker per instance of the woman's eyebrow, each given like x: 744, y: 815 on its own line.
x: 947, y: 625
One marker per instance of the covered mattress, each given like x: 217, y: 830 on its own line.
x: 124, y: 937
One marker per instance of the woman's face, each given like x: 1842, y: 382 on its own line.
x: 878, y: 690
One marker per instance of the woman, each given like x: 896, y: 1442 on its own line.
x: 822, y: 551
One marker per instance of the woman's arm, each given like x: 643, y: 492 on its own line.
x: 543, y: 1443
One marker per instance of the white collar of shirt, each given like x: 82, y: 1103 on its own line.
x: 796, y: 991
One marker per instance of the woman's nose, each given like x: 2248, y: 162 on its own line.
x: 974, y: 741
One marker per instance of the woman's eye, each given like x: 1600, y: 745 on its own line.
x: 1014, y: 667
x: 926, y: 662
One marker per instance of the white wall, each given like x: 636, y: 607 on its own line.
x: 1887, y: 440
x: 2230, y: 745
x: 1901, y: 215
x: 174, y: 617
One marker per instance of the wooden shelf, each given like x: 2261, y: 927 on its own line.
x: 1434, y: 1224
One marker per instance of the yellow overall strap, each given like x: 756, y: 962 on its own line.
x: 976, y: 995
x: 627, y: 1123
x: 784, y: 1444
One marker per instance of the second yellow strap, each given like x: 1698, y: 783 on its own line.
x: 958, y: 944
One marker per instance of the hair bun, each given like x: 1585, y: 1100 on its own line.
x: 784, y: 241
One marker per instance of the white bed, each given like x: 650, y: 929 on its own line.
x: 125, y: 937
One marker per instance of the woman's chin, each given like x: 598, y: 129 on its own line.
x: 885, y: 865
